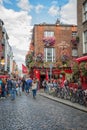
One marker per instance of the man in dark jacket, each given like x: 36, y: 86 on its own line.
x: 28, y: 85
x: 9, y: 86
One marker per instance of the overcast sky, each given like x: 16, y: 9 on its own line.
x: 19, y: 16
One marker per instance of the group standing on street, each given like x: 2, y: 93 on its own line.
x: 13, y: 87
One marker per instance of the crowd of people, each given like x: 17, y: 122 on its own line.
x: 15, y: 86
x: 63, y: 89
x: 53, y: 83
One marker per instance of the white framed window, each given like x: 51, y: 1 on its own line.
x: 85, y: 42
x: 49, y: 54
x: 74, y: 34
x: 48, y: 33
x: 74, y: 52
x: 85, y: 11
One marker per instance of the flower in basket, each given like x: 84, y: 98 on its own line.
x: 49, y: 41
x: 75, y: 41
x: 64, y: 58
x: 29, y: 58
x: 39, y: 57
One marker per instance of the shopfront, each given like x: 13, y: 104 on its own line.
x: 82, y: 62
x: 42, y: 74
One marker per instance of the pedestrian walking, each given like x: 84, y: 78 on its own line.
x: 0, y: 88
x: 0, y: 91
x: 0, y: 81
x: 34, y: 88
x: 3, y: 85
x: 9, y: 86
x: 13, y: 91
x: 18, y: 87
x: 28, y: 85
x: 23, y: 84
x: 44, y: 84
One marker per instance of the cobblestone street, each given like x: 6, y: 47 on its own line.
x: 26, y: 113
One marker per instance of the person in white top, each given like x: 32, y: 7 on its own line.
x: 34, y: 88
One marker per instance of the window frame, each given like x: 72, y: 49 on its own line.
x: 74, y: 34
x: 48, y: 33
x: 74, y: 52
x: 85, y: 42
x: 85, y: 11
x: 46, y: 57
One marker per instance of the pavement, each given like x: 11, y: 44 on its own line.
x: 26, y: 113
x: 63, y: 101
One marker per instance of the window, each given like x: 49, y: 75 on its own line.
x: 74, y: 34
x: 49, y: 54
x: 74, y: 52
x: 48, y: 34
x: 85, y: 42
x: 85, y: 11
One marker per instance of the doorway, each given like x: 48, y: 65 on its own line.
x: 42, y: 77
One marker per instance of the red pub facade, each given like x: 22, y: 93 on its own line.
x: 52, y: 48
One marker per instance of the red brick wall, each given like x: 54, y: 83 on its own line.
x: 62, y: 34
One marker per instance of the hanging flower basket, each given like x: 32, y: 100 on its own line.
x: 49, y: 41
x: 39, y: 57
x: 75, y: 41
x: 83, y: 68
x: 64, y: 58
x: 29, y: 59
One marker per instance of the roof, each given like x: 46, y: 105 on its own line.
x: 46, y: 24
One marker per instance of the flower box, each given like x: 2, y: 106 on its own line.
x: 49, y: 41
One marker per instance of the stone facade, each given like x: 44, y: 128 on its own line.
x: 82, y: 26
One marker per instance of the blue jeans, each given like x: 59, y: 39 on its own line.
x: 13, y: 94
x: 34, y: 92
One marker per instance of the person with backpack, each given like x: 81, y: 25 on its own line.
x: 28, y: 85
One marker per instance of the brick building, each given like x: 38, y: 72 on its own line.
x: 82, y: 26
x: 53, y: 46
x: 6, y: 54
x: 82, y: 33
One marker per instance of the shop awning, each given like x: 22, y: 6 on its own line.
x: 80, y: 59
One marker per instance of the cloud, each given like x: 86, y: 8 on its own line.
x: 18, y: 24
x: 20, y: 54
x: 38, y: 8
x: 53, y: 10
x: 69, y: 12
x: 18, y: 27
x: 24, y: 5
x: 1, y: 1
x: 5, y: 1
x: 54, y: 2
